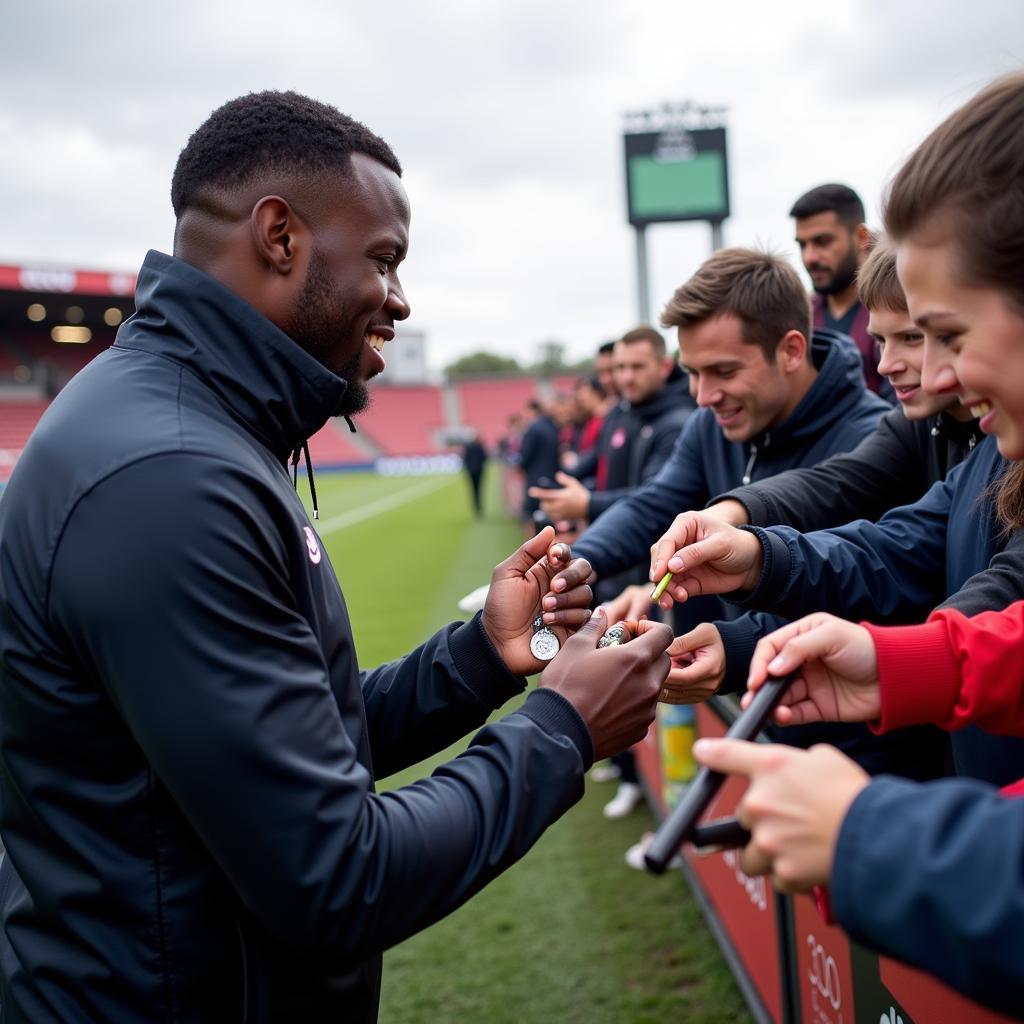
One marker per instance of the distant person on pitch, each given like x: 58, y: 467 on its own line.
x: 474, y: 458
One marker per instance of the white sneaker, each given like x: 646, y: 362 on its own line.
x: 635, y: 854
x: 606, y: 772
x: 625, y: 801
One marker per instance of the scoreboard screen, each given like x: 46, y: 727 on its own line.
x: 676, y: 174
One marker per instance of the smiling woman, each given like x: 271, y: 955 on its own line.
x: 984, y: 330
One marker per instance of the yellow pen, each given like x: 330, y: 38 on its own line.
x: 662, y: 586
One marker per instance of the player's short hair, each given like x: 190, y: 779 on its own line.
x: 276, y: 132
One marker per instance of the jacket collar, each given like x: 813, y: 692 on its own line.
x: 965, y: 434
x: 279, y: 391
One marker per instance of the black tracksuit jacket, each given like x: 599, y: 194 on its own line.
x: 188, y: 747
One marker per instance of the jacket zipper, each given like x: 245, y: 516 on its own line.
x: 753, y: 458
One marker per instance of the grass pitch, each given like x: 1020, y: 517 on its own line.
x: 570, y: 934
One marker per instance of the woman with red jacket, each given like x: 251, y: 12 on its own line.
x: 930, y: 873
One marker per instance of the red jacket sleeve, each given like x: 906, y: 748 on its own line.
x: 954, y: 671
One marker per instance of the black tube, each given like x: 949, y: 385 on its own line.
x: 725, y: 833
x: 679, y: 826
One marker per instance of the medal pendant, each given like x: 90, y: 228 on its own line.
x: 543, y: 644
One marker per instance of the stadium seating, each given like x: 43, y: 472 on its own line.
x: 330, y: 446
x: 9, y: 362
x: 403, y: 421
x: 488, y: 404
x: 17, y: 421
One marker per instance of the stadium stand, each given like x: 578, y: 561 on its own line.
x: 17, y: 420
x: 487, y: 404
x: 9, y: 363
x: 566, y: 384
x: 332, y: 447
x: 404, y: 421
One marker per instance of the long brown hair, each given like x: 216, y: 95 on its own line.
x: 1007, y: 496
x: 965, y: 184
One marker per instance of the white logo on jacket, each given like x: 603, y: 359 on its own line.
x: 313, y: 546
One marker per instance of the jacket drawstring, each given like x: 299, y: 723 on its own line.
x: 303, y: 449
x: 754, y: 451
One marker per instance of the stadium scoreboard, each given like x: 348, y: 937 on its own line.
x: 675, y: 172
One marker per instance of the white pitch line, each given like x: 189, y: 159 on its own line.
x: 336, y: 523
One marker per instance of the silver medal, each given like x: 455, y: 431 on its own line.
x: 543, y: 643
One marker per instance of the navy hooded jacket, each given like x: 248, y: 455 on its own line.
x: 834, y: 416
x: 188, y: 747
x: 653, y: 427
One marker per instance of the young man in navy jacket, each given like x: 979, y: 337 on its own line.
x: 770, y: 397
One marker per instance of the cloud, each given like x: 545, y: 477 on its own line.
x: 938, y: 50
x: 506, y: 116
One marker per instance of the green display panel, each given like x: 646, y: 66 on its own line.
x: 676, y: 175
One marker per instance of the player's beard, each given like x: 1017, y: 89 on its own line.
x: 319, y: 319
x: 844, y: 276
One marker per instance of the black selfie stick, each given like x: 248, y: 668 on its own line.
x: 681, y: 824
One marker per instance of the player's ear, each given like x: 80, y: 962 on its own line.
x: 280, y: 236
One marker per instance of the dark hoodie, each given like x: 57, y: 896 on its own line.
x: 834, y: 416
x: 894, y: 465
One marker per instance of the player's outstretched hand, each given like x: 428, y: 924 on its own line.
x: 540, y: 579
x: 707, y: 556
x: 838, y: 679
x: 614, y: 689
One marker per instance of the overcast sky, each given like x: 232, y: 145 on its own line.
x: 507, y: 117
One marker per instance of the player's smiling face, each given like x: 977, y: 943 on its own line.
x: 351, y: 296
